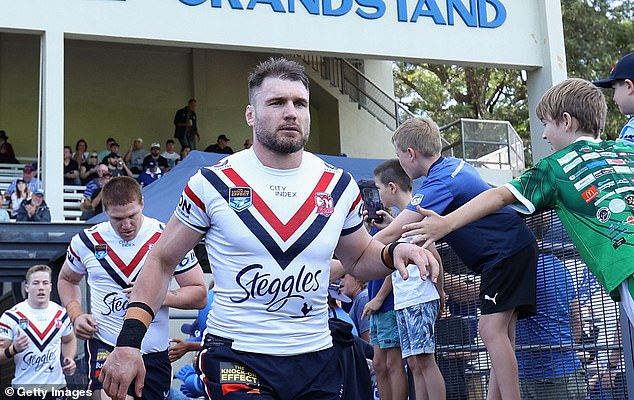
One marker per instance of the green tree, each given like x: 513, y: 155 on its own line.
x: 596, y: 34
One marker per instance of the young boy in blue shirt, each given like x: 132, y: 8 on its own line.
x: 501, y: 248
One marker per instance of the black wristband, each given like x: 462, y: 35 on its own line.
x: 388, y: 265
x: 132, y: 333
x: 7, y: 353
x: 390, y: 249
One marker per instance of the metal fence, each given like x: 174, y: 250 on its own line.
x: 561, y: 353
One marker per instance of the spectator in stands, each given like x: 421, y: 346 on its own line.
x: 7, y: 155
x: 104, y: 153
x: 170, y: 154
x: 358, y: 292
x: 21, y: 193
x: 4, y: 215
x: 115, y: 147
x: 151, y: 174
x: 186, y: 125
x: 116, y: 165
x: 221, y: 146
x: 155, y: 155
x: 71, y: 168
x: 184, y: 153
x: 35, y: 209
x: 248, y: 142
x: 28, y: 176
x: 91, y: 203
x: 88, y: 170
x: 81, y: 152
x: 135, y: 155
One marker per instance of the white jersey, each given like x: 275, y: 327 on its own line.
x: 39, y: 364
x: 270, y: 235
x: 111, y: 264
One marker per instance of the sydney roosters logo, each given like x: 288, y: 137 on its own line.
x: 325, y: 204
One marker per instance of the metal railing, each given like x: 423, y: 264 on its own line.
x: 485, y: 144
x: 350, y: 80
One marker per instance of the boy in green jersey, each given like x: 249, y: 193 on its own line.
x: 587, y: 181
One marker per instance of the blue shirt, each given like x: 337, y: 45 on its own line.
x: 483, y: 243
x: 359, y: 301
x: 627, y: 133
x: 551, y: 326
x: 373, y: 288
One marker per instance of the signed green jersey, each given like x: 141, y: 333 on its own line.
x: 590, y: 184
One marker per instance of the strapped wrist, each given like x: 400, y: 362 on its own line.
x: 387, y: 254
x: 73, y: 309
x: 132, y: 333
x: 7, y: 352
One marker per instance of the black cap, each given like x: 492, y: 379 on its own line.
x: 624, y: 69
x: 113, y: 155
x: 223, y: 137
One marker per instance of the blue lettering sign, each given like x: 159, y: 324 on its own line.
x: 473, y: 13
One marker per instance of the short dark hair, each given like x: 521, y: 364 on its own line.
x: 121, y: 190
x: 169, y: 141
x: 277, y: 68
x: 391, y: 171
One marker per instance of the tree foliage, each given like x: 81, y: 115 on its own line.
x: 596, y: 34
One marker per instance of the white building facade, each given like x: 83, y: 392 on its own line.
x: 93, y: 69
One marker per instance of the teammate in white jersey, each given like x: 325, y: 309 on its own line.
x: 111, y: 254
x: 272, y: 216
x: 37, y: 330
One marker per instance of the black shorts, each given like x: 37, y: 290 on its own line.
x: 511, y: 283
x: 158, y: 370
x: 235, y: 375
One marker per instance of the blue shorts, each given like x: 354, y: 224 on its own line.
x: 384, y: 330
x: 236, y: 375
x: 416, y: 328
x: 158, y: 370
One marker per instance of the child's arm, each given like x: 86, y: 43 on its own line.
x: 434, y: 227
x: 373, y: 305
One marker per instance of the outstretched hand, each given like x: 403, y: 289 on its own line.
x: 427, y: 231
x: 407, y: 253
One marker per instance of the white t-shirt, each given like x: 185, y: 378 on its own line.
x: 111, y: 264
x: 171, y: 158
x: 414, y: 290
x: 270, y: 235
x: 39, y: 364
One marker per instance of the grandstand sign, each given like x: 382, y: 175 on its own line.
x: 475, y: 14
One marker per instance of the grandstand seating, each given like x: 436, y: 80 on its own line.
x: 72, y: 194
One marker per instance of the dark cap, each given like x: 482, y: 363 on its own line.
x: 624, y: 69
x: 223, y: 137
x: 28, y: 168
x: 151, y: 163
x: 111, y: 155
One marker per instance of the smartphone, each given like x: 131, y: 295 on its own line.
x: 372, y: 203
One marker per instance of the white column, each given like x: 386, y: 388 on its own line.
x: 52, y: 120
x: 552, y: 72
